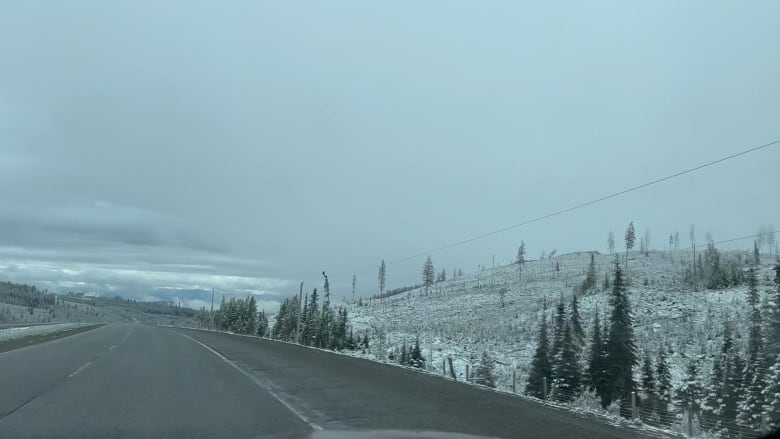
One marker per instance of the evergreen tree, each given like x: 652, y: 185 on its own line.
x: 649, y: 401
x: 404, y: 360
x: 354, y: 286
x: 560, y: 323
x: 596, y: 364
x: 382, y: 278
x: 566, y: 373
x: 690, y: 394
x: 485, y: 371
x: 752, y: 401
x: 428, y: 274
x: 349, y: 344
x: 521, y: 254
x: 251, y: 326
x: 772, y: 394
x: 756, y: 255
x: 416, y: 359
x: 711, y: 407
x: 728, y: 391
x: 442, y: 276
x: 590, y: 279
x: 630, y: 240
x: 576, y: 324
x: 611, y: 242
x: 262, y: 324
x: 621, y: 351
x: 663, y: 390
x: 311, y: 329
x: 541, y: 367
x: 773, y: 317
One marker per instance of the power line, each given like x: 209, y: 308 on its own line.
x: 585, y: 204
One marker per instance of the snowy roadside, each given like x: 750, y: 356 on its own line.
x: 583, y: 412
x: 26, y: 331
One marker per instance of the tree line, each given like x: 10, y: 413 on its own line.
x: 313, y: 324
x: 741, y: 387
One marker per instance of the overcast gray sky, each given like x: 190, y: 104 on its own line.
x: 150, y: 146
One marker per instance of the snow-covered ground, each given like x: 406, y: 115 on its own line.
x: 462, y: 318
x: 26, y: 331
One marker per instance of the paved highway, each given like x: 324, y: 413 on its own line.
x: 128, y: 381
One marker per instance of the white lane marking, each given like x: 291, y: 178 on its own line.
x: 259, y: 383
x: 79, y: 369
x: 75, y: 372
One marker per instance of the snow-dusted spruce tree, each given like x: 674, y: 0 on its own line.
x: 772, y: 394
x: 590, y: 279
x: 262, y: 324
x: 663, y: 379
x: 721, y: 404
x: 621, y: 350
x: 575, y: 320
x: 566, y: 371
x: 691, y: 392
x: 541, y: 367
x: 382, y: 278
x: 752, y: 402
x: 630, y: 239
x: 596, y: 375
x: 611, y: 242
x: 559, y: 323
x: 415, y: 358
x: 428, y: 274
x: 773, y: 316
x: 649, y: 400
x: 485, y: 373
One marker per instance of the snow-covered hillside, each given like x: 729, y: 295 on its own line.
x: 462, y: 318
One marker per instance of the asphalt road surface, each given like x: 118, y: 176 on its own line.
x: 136, y: 381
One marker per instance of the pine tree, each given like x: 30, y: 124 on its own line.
x: 541, y: 367
x: 772, y: 394
x: 560, y: 323
x: 354, y: 286
x: 596, y: 364
x: 756, y: 254
x: 590, y: 279
x: 416, y: 359
x: 521, y: 254
x: 663, y: 390
x: 262, y: 324
x: 649, y: 401
x: 382, y: 278
x: 349, y: 344
x: 251, y: 327
x: 576, y: 323
x: 630, y: 240
x: 311, y: 329
x: 485, y: 374
x: 611, y: 242
x: 728, y: 391
x: 773, y: 317
x: 404, y: 356
x: 621, y: 351
x: 566, y: 372
x: 442, y: 276
x: 690, y: 394
x: 752, y: 402
x: 428, y: 274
